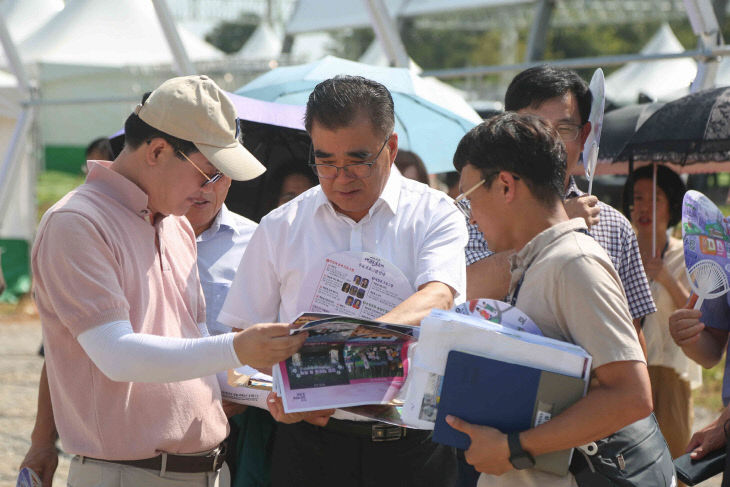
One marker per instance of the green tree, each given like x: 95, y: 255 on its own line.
x: 351, y: 43
x: 230, y: 36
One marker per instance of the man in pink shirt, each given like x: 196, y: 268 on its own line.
x: 131, y: 376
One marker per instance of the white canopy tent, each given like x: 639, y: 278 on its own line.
x: 24, y: 17
x: 658, y: 80
x: 96, y: 49
x: 265, y: 43
x: 108, y: 33
x: 91, y: 50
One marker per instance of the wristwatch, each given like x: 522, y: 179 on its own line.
x: 518, y: 457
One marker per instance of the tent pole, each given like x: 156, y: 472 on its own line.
x: 387, y: 33
x: 704, y: 23
x: 13, y: 154
x: 183, y: 66
x: 653, y: 211
x: 11, y: 52
x: 538, y: 34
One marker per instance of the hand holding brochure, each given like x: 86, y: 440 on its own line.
x: 344, y: 362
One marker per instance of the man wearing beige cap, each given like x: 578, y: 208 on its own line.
x: 131, y: 375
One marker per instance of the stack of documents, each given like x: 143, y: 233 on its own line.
x: 245, y: 385
x: 443, y: 332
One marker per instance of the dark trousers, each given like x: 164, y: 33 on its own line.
x: 306, y: 455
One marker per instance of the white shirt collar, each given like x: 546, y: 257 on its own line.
x: 390, y: 194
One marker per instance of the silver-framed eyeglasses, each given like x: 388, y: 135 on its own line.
x: 462, y: 201
x: 356, y: 170
x: 568, y: 131
x: 208, y: 179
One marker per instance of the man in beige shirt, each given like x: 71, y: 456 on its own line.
x: 513, y: 171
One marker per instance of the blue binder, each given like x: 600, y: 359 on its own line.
x: 506, y: 396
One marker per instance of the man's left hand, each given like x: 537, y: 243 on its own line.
x: 489, y: 451
x: 317, y: 418
x: 584, y: 206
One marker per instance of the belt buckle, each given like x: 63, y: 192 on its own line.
x: 219, y: 454
x: 386, y: 432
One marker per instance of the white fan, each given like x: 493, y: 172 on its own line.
x: 708, y: 281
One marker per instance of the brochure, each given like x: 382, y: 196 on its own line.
x: 344, y: 362
x: 357, y: 284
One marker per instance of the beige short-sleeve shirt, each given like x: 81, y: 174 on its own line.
x: 95, y: 261
x: 573, y: 293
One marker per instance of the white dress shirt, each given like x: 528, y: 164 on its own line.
x: 220, y: 249
x: 416, y: 228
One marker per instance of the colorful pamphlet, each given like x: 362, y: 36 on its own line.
x: 344, y: 362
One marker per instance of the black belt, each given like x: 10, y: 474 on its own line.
x: 210, y: 462
x: 366, y: 429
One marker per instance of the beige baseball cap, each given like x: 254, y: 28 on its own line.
x: 194, y: 108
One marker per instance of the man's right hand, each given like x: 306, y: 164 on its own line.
x: 585, y: 206
x: 685, y: 326
x: 708, y: 439
x: 266, y: 344
x: 43, y: 460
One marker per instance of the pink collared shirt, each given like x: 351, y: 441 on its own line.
x: 95, y: 261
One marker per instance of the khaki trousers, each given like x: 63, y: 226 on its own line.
x: 90, y: 473
x: 672, y: 407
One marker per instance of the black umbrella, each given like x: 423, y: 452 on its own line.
x: 619, y: 126
x: 694, y: 128
x: 276, y: 147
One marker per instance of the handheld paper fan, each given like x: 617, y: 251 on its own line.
x: 708, y: 281
x: 590, y: 149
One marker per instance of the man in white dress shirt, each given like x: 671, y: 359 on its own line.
x: 361, y: 205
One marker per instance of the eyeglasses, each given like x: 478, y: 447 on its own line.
x: 357, y: 170
x: 208, y: 179
x: 462, y: 201
x: 569, y: 131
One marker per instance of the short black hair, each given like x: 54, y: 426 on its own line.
x: 336, y: 102
x: 524, y: 145
x: 667, y: 180
x: 533, y: 86
x: 102, y: 145
x: 138, y: 132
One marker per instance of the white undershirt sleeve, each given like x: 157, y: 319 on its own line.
x: 125, y: 356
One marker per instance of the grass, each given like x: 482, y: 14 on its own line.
x: 52, y: 186
x: 710, y: 394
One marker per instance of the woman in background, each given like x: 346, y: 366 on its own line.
x: 672, y: 373
x: 411, y: 166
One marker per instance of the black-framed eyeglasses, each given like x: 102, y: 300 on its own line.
x: 357, y: 170
x: 208, y: 179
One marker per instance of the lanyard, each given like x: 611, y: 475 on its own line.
x: 513, y: 298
